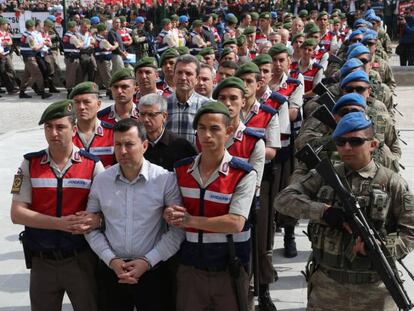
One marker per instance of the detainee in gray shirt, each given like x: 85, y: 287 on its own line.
x: 132, y: 205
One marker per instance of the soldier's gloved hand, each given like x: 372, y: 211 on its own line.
x: 334, y: 217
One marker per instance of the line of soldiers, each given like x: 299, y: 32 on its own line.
x: 247, y: 114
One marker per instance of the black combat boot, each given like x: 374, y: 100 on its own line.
x: 22, y: 94
x: 289, y: 241
x: 45, y: 95
x: 265, y: 301
x: 52, y: 87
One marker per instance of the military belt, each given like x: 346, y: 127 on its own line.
x: 57, y: 254
x: 350, y: 277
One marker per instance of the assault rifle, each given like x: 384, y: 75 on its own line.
x: 376, y: 250
x: 324, y: 115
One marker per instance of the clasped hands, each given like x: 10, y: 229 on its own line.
x: 176, y: 216
x: 80, y: 223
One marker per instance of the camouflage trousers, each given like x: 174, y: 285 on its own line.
x: 326, y: 294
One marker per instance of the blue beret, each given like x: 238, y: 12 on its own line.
x: 369, y: 36
x: 374, y: 18
x: 139, y: 19
x: 52, y: 18
x: 359, y: 50
x: 183, y: 19
x: 359, y: 21
x: 350, y: 65
x: 354, y: 33
x: 274, y: 14
x: 349, y: 99
x: 351, y: 122
x: 358, y: 75
x: 95, y: 20
x: 352, y: 46
x: 369, y: 13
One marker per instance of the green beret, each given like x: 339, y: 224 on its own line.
x: 71, y: 24
x: 122, y: 19
x: 169, y: 53
x: 277, y: 49
x: 174, y: 17
x: 182, y: 50
x: 229, y: 41
x: 287, y: 19
x: 207, y: 51
x: 298, y: 35
x: 197, y: 23
x: 265, y: 15
x: 57, y: 110
x: 303, y: 13
x: 146, y: 62
x: 321, y: 14
x: 278, y: 25
x: 312, y: 28
x: 3, y: 21
x: 336, y: 11
x: 101, y: 27
x: 336, y: 21
x: 226, y: 51
x: 249, y: 30
x: 232, y: 19
x: 255, y: 16
x: 232, y: 82
x: 342, y: 15
x: 214, y: 15
x: 309, y: 42
x: 47, y: 23
x: 262, y: 59
x: 210, y: 107
x: 86, y: 87
x: 247, y: 68
x: 165, y: 21
x: 287, y: 25
x: 122, y: 74
x: 200, y: 58
x: 30, y: 23
x: 241, y: 40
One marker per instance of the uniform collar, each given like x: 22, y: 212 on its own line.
x: 114, y: 115
x: 266, y: 94
x: 75, y: 156
x: 282, y: 83
x: 367, y: 171
x: 255, y: 108
x: 98, y: 128
x: 223, y: 168
x: 238, y: 133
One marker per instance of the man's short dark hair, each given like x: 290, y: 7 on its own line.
x: 125, y: 125
x: 229, y: 64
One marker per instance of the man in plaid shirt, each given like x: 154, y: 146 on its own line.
x: 184, y: 102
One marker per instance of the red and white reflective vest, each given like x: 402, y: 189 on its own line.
x: 308, y: 75
x: 260, y: 117
x: 108, y: 115
x: 326, y: 40
x: 123, y: 32
x: 59, y: 197
x: 204, y: 249
x: 102, y: 144
x: 5, y: 42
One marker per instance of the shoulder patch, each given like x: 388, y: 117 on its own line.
x: 278, y: 97
x: 240, y: 164
x: 268, y: 109
x: 36, y: 154
x: 88, y: 155
x: 184, y: 161
x: 253, y: 133
x: 107, y: 125
x: 293, y: 81
x: 104, y: 111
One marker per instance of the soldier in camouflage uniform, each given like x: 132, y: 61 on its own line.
x: 139, y: 39
x: 340, y: 275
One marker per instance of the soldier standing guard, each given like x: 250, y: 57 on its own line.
x: 71, y: 49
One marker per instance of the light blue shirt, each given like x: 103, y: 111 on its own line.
x: 133, y: 214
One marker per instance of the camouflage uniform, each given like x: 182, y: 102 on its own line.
x: 385, y: 72
x: 339, y: 280
x: 140, y: 43
x: 385, y: 41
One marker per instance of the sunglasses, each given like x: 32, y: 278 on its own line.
x: 345, y: 111
x: 356, y: 40
x: 369, y: 43
x: 353, y: 141
x: 364, y: 60
x: 359, y: 89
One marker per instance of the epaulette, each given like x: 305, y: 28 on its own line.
x: 294, y: 81
x: 254, y: 133
x: 317, y: 65
x: 36, y: 154
x: 88, y: 155
x: 104, y: 111
x: 107, y: 125
x: 184, y: 161
x: 268, y: 109
x: 281, y: 99
x: 240, y: 164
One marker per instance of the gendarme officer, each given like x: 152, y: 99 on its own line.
x: 50, y: 191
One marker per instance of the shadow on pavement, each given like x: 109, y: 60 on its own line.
x: 13, y: 283
x: 12, y: 255
x: 289, y: 282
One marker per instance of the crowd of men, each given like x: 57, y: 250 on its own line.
x: 169, y: 198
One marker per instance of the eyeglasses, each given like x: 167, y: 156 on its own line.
x: 364, y: 60
x: 150, y: 115
x: 359, y: 89
x: 344, y: 111
x: 353, y: 141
